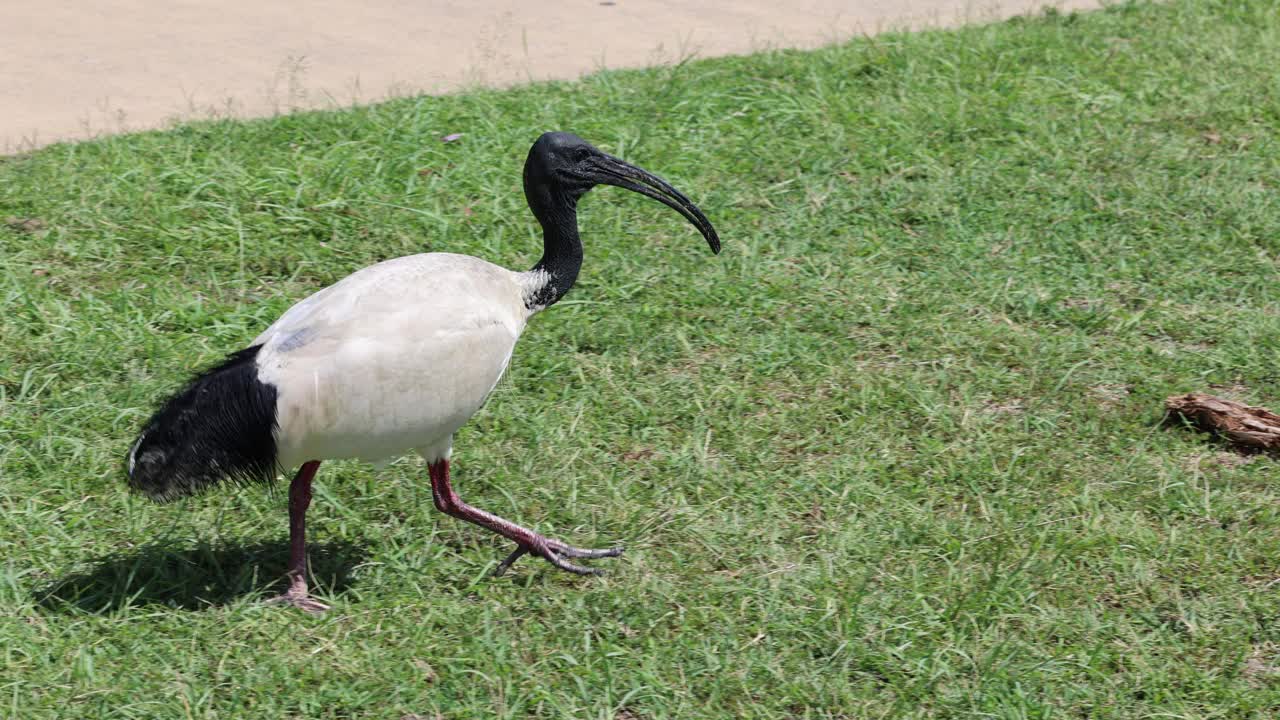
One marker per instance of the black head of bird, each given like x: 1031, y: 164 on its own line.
x: 562, y: 167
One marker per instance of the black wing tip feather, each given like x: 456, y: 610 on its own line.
x: 219, y: 428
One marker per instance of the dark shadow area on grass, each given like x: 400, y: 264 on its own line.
x: 197, y: 578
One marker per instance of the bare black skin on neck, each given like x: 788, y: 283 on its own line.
x: 560, y: 169
x: 556, y: 208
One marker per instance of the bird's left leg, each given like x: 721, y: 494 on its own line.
x: 527, y: 541
x: 299, y: 501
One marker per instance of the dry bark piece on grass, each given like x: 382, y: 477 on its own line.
x: 1249, y: 428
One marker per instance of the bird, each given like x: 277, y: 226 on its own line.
x: 391, y: 360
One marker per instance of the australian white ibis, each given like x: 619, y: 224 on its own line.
x: 391, y: 359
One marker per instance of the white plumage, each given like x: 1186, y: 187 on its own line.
x: 393, y: 358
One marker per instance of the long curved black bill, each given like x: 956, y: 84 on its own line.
x: 610, y: 170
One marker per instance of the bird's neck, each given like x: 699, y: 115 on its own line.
x: 556, y: 272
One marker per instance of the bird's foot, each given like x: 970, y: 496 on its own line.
x: 301, y: 600
x: 555, y: 552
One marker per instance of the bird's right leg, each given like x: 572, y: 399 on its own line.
x: 526, y: 540
x: 299, y: 501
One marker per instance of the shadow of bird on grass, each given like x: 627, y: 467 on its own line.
x: 196, y: 578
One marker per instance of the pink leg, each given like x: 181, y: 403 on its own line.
x: 299, y: 500
x: 527, y: 541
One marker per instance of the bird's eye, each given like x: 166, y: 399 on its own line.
x: 581, y: 154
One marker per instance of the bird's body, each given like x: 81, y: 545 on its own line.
x: 393, y: 358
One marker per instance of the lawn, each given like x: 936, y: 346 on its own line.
x: 896, y: 452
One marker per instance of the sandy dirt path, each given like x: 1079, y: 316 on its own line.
x: 71, y: 69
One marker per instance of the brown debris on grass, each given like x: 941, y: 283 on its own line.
x: 1246, y: 427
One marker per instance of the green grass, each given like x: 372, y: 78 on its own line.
x: 895, y: 453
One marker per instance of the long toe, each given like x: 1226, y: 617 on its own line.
x: 586, y: 553
x: 505, y: 565
x: 553, y: 558
x: 555, y: 552
x: 558, y: 551
x: 304, y: 603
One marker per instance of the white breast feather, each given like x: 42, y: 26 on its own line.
x: 395, y: 357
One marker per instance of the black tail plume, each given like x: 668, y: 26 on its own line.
x: 220, y: 427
